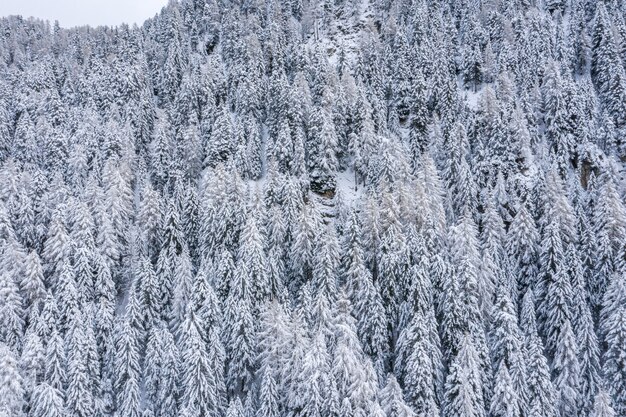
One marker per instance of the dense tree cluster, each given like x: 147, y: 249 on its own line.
x: 316, y: 208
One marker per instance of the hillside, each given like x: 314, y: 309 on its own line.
x: 316, y: 208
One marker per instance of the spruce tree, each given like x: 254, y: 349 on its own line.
x: 602, y: 405
x: 33, y: 282
x: 615, y: 342
x: 422, y: 364
x: 322, y: 145
x: 47, y: 401
x: 351, y: 368
x: 392, y: 401
x: 540, y: 394
x: 79, y: 396
x: 160, y: 371
x: 463, y: 388
x: 11, y: 388
x: 507, y: 353
x: 12, y: 315
x: 505, y: 400
x: 522, y: 246
x: 268, y: 396
x: 566, y: 370
x: 197, y: 381
x: 127, y: 367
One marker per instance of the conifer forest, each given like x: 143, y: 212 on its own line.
x: 316, y: 208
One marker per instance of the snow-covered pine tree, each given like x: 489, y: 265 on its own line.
x: 12, y: 388
x: 464, y: 388
x: 540, y: 391
x: 392, y: 401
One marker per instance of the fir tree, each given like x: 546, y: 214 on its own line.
x: 47, y: 401
x: 33, y: 282
x: 268, y: 396
x: 160, y: 372
x: 79, y: 396
x: 606, y: 65
x: 11, y: 388
x: 251, y: 252
x: 351, y: 368
x: 508, y: 356
x: 11, y: 310
x: 127, y: 366
x: 392, y: 401
x: 199, y: 396
x: 540, y: 394
x: 505, y: 401
x: 602, y: 405
x: 322, y: 145
x: 521, y: 245
x: 222, y: 142
x: 463, y: 389
x: 422, y: 370
x: 240, y: 331
x: 566, y: 369
x: 615, y: 337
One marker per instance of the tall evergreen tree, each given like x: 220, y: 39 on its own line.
x: 268, y: 396
x: 199, y: 396
x: 464, y: 390
x: 615, y: 336
x: 47, y: 401
x: 322, y: 145
x: 392, y: 401
x: 540, y: 394
x: 12, y: 388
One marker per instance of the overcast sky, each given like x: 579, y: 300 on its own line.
x: 84, y: 12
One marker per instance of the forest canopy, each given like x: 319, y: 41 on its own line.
x: 316, y: 208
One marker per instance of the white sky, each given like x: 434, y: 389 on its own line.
x: 71, y: 13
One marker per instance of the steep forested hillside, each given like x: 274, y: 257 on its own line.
x: 316, y: 208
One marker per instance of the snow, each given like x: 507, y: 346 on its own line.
x: 346, y: 186
x: 471, y: 97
